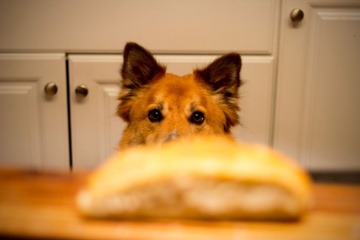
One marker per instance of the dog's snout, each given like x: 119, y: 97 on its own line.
x: 173, y: 135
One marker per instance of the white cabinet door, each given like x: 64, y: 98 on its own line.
x: 318, y: 101
x: 96, y: 130
x: 95, y: 127
x: 33, y: 125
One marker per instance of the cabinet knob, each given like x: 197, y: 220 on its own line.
x: 50, y: 89
x: 81, y: 91
x: 296, y: 15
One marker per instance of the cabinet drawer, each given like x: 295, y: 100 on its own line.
x: 205, y: 26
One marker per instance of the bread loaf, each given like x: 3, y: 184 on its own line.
x: 207, y: 178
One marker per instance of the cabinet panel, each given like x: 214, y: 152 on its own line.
x: 318, y: 108
x: 33, y: 126
x: 96, y: 130
x: 203, y: 26
x: 20, y: 126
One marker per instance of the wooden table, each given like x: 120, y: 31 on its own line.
x: 41, y: 205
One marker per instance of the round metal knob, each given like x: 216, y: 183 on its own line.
x: 81, y: 91
x: 296, y: 15
x: 50, y: 89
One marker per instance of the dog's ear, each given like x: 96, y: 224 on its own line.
x: 223, y: 76
x: 139, y: 66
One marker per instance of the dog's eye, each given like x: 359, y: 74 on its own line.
x: 197, y: 117
x: 155, y: 115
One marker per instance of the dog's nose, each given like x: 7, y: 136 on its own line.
x: 173, y: 135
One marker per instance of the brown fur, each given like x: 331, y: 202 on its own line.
x: 160, y: 106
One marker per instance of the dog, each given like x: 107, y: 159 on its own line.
x: 159, y: 106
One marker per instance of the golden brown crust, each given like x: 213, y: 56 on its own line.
x: 237, y: 167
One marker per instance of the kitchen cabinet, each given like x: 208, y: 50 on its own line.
x: 90, y: 36
x: 33, y: 124
x: 300, y: 79
x: 317, y: 111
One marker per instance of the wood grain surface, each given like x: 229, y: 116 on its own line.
x: 41, y: 205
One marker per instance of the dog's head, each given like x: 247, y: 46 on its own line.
x: 160, y: 106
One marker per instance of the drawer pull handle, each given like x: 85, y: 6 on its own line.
x: 296, y: 15
x: 50, y: 89
x: 81, y: 91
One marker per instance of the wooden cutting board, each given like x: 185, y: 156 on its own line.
x: 41, y: 205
